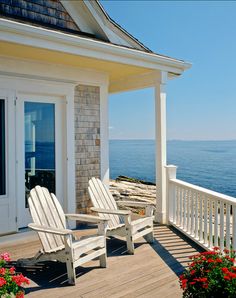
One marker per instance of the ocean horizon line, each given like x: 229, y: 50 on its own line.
x: 179, y: 140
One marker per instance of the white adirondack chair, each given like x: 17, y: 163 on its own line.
x: 120, y: 223
x: 57, y: 241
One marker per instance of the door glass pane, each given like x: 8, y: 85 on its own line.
x: 2, y: 149
x: 39, y: 146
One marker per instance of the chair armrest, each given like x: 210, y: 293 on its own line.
x: 111, y: 211
x: 50, y: 230
x: 86, y: 218
x: 135, y: 204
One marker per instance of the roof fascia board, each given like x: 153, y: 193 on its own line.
x: 79, y: 21
x: 83, y: 17
x: 11, y: 31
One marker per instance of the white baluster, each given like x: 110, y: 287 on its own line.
x: 177, y: 205
x: 216, y: 223
x: 234, y: 227
x: 200, y: 218
x: 189, y: 201
x: 181, y: 207
x: 221, y: 226
x: 184, y: 207
x: 228, y: 226
x: 210, y: 242
x: 205, y: 220
x: 196, y: 215
x: 174, y: 202
x: 192, y: 212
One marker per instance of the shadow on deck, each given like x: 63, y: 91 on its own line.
x: 152, y: 272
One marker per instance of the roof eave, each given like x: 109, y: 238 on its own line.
x: 15, y: 32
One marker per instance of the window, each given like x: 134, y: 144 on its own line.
x: 2, y: 149
x: 39, y: 146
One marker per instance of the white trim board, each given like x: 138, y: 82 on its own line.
x: 11, y: 31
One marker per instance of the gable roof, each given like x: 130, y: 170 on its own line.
x: 134, y: 42
x: 83, y: 18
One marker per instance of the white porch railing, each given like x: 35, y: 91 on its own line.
x: 205, y: 216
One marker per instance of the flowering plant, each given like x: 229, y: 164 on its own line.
x: 210, y: 274
x: 10, y: 282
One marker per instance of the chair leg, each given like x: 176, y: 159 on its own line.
x: 130, y: 244
x: 70, y: 272
x: 103, y: 260
x: 149, y: 237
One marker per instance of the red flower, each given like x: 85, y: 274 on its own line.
x: 226, y: 251
x: 205, y: 285
x: 192, y: 282
x: 20, y: 294
x: 192, y: 272
x: 219, y: 261
x: 225, y: 270
x: 203, y: 279
x: 2, y: 271
x: 12, y: 270
x: 20, y: 279
x: 233, y: 268
x: 216, y: 248
x: 226, y: 277
x: 184, y: 283
x: 232, y: 275
x: 210, y: 260
x: 5, y: 256
x: 2, y: 281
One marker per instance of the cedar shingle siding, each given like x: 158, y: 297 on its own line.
x: 47, y: 13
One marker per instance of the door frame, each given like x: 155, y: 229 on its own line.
x: 12, y: 87
x: 60, y: 159
x: 8, y: 200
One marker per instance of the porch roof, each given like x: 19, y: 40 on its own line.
x: 123, y: 65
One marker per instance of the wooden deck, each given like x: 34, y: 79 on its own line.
x: 151, y: 272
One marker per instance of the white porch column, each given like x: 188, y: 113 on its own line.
x: 104, y: 134
x: 160, y: 115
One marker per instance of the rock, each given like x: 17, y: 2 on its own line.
x: 133, y: 190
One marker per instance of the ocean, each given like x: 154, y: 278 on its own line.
x: 210, y: 164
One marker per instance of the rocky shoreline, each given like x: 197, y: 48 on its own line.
x: 130, y: 189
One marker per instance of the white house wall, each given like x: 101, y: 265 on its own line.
x: 77, y: 87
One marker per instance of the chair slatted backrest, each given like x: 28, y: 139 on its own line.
x: 46, y: 210
x: 102, y: 198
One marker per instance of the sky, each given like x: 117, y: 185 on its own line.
x: 201, y: 104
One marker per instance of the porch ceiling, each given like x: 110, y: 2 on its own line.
x: 117, y: 71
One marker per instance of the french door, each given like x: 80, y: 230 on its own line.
x: 7, y: 163
x: 40, y: 138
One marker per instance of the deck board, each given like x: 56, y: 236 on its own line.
x: 151, y: 272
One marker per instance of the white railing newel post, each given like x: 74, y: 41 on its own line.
x: 171, y: 171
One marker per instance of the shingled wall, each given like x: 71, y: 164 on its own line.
x: 49, y: 13
x: 87, y: 142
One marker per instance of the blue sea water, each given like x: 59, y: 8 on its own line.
x: 210, y: 164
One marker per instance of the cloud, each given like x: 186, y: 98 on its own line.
x: 111, y: 127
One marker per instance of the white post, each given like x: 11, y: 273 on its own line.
x: 160, y: 111
x: 170, y: 193
x: 104, y: 134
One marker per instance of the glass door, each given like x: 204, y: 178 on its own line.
x: 40, y: 150
x: 39, y: 139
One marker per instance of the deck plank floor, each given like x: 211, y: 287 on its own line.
x: 152, y: 272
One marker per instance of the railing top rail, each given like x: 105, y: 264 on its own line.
x: 205, y: 191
